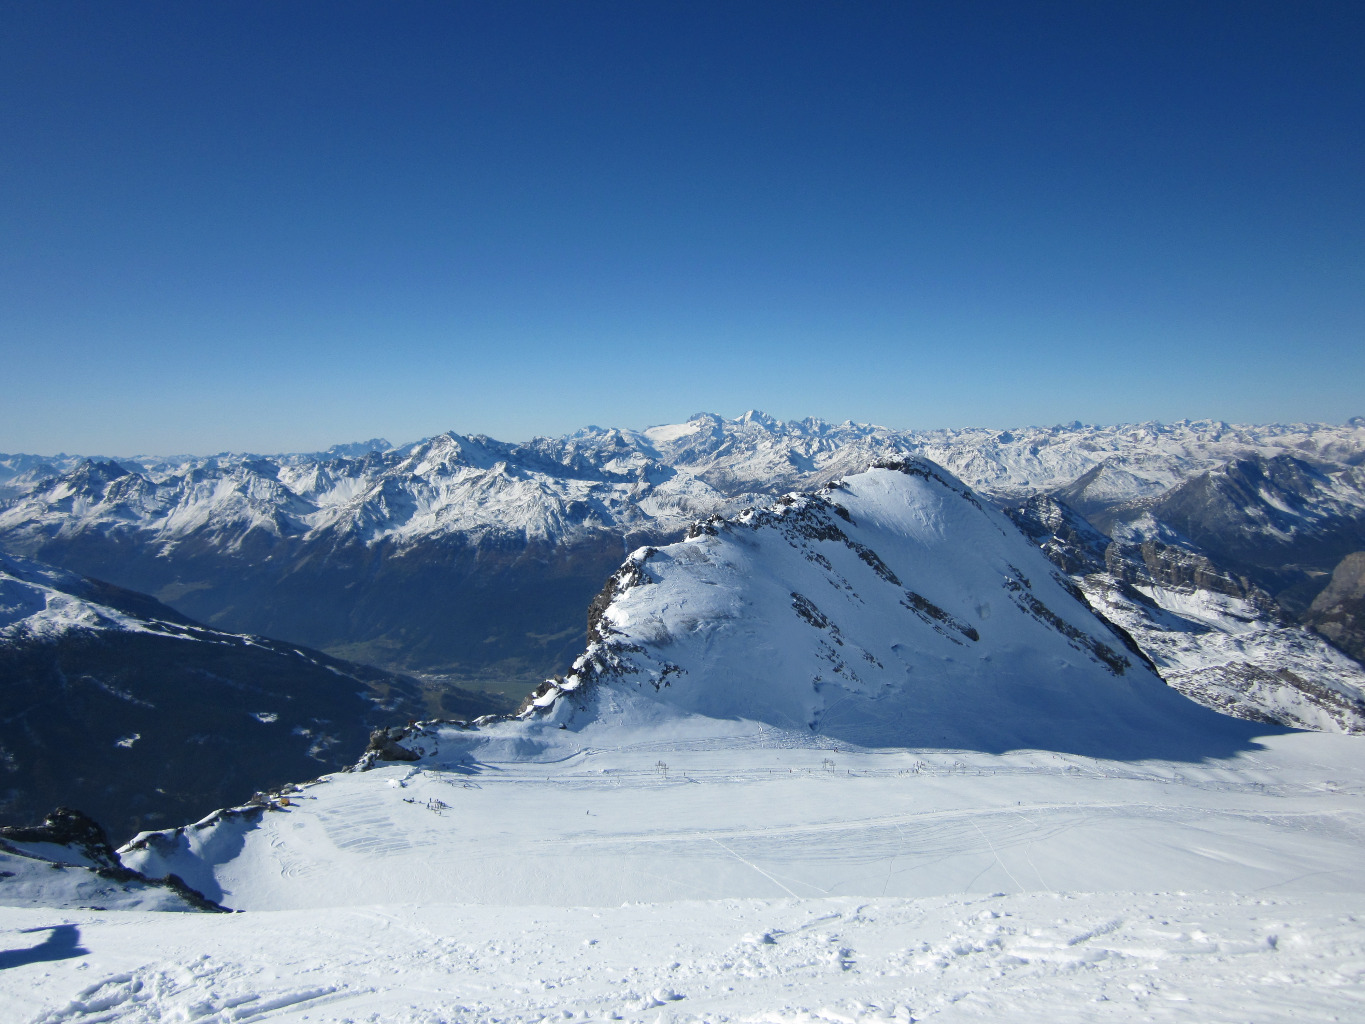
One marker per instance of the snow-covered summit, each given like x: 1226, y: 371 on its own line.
x: 891, y: 609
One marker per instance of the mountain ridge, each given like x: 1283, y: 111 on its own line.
x: 505, y: 541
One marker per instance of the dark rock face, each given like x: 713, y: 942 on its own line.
x: 384, y: 746
x: 1068, y: 540
x: 71, y: 828
x: 1280, y: 523
x: 84, y: 839
x: 1179, y: 567
x: 1338, y: 613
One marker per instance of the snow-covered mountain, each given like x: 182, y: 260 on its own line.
x: 469, y: 558
x: 1282, y: 522
x: 892, y: 608
x: 116, y: 704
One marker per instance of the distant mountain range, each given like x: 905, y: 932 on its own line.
x: 470, y: 560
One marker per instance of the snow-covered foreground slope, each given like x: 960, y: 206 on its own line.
x: 742, y: 819
x: 1194, y: 957
x: 743, y: 882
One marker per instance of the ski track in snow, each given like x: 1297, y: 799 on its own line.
x: 1096, y: 957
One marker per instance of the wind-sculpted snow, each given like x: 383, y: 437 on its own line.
x: 874, y: 612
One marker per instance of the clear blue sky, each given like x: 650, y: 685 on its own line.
x: 276, y: 226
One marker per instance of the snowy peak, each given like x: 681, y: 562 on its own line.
x: 357, y: 449
x: 893, y: 608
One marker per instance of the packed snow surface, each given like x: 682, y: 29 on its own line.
x: 729, y: 881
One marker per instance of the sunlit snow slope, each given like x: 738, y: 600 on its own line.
x: 893, y: 608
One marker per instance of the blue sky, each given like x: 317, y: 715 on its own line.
x: 277, y: 226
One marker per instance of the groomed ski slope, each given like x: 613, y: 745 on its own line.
x: 745, y: 883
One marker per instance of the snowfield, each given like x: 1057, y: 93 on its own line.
x: 746, y: 882
x: 1107, y: 957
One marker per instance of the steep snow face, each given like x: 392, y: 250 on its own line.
x: 893, y: 608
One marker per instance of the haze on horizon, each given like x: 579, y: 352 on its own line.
x: 279, y: 227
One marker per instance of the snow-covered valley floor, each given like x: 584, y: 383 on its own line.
x: 737, y: 880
